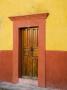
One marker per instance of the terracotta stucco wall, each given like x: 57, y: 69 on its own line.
x: 56, y: 69
x: 6, y: 66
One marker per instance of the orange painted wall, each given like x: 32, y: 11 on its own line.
x: 56, y: 69
x: 6, y: 66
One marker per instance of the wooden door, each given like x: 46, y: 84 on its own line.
x: 30, y: 52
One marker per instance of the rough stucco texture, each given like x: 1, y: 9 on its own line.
x: 56, y: 27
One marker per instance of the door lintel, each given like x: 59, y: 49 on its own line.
x: 41, y: 16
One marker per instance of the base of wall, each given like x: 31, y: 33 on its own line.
x: 56, y: 68
x: 6, y: 65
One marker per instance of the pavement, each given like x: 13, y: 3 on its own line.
x: 23, y: 84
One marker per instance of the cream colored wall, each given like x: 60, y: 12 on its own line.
x: 56, y: 27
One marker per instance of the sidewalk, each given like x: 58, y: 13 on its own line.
x: 23, y: 84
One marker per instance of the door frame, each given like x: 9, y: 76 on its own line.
x: 33, y: 20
